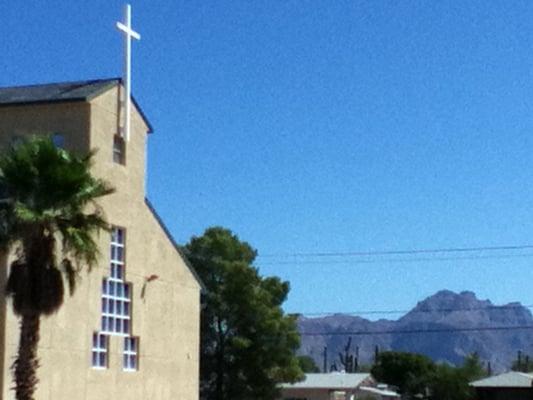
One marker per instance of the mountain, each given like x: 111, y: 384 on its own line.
x: 447, y: 315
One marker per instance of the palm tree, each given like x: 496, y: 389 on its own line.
x: 48, y: 218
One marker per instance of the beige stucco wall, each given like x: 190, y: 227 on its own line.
x: 166, y: 320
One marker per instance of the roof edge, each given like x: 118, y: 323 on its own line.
x: 175, y: 244
x: 111, y: 82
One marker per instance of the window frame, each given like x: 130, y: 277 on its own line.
x: 116, y: 292
x: 100, y: 345
x: 119, y: 150
x: 130, y: 354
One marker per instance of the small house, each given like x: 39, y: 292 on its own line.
x: 508, y: 386
x: 329, y: 386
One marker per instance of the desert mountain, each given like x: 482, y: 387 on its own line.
x: 441, y: 327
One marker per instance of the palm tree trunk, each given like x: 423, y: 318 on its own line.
x: 26, y: 364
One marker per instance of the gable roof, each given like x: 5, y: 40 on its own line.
x: 510, y: 379
x: 176, y: 245
x: 61, y: 92
x: 332, y: 380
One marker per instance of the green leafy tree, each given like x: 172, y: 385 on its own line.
x: 47, y: 221
x: 248, y: 344
x: 452, y: 383
x: 409, y: 372
x: 472, y: 368
x: 415, y: 374
x: 307, y: 364
x: 522, y: 363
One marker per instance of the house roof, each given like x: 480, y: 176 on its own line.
x: 333, y: 380
x: 61, y: 92
x: 510, y: 379
x: 378, y: 391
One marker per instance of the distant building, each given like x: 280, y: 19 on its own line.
x: 331, y: 386
x: 507, y: 386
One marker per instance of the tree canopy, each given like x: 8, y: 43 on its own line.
x: 522, y: 363
x: 307, y: 364
x: 48, y: 216
x: 409, y: 372
x: 248, y: 344
x: 415, y: 374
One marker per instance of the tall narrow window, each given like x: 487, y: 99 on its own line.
x: 99, y: 350
x: 116, y: 308
x: 119, y: 150
x: 116, y: 293
x: 130, y: 354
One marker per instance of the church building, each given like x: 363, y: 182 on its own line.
x: 131, y: 329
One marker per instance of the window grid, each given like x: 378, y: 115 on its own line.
x: 116, y: 294
x: 99, y: 351
x: 116, y: 310
x: 130, y: 354
x: 116, y: 307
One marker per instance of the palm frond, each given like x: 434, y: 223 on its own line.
x: 70, y: 273
x: 45, y: 190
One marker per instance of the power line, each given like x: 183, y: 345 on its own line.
x: 418, y: 331
x: 398, y: 252
x: 415, y: 311
x: 398, y: 260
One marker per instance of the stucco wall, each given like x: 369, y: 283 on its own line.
x: 166, y: 320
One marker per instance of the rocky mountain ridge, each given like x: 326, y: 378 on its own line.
x: 443, y: 327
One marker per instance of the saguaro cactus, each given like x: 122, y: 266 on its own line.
x: 349, y: 361
x: 325, y: 363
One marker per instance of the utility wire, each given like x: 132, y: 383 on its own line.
x: 415, y: 311
x: 398, y: 252
x: 417, y: 331
x: 397, y: 260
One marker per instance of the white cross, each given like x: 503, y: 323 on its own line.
x: 128, y: 34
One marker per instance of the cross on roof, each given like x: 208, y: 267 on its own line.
x: 128, y: 34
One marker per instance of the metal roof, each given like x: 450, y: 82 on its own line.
x: 333, y: 380
x: 61, y: 92
x: 381, y: 392
x: 510, y: 380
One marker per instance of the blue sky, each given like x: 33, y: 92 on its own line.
x: 309, y: 126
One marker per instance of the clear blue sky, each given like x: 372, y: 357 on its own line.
x: 309, y: 126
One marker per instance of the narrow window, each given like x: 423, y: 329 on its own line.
x: 99, y: 351
x: 116, y: 309
x: 119, y: 150
x: 116, y: 293
x: 130, y: 354
x: 58, y: 140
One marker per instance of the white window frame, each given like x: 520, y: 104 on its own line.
x: 130, y: 354
x: 115, y: 322
x: 100, y: 345
x: 116, y: 292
